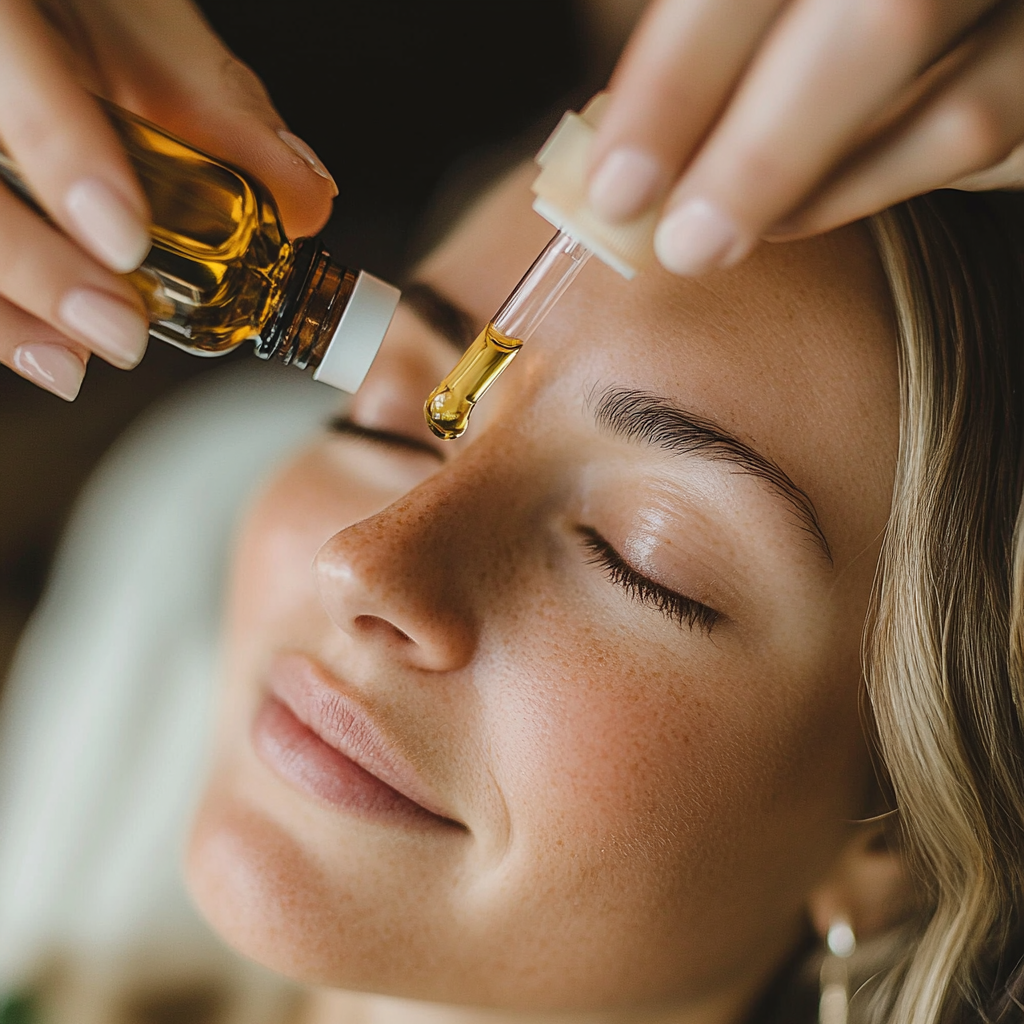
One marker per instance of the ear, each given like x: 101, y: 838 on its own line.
x: 868, y: 885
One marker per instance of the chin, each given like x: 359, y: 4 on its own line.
x: 273, y: 901
x: 240, y: 868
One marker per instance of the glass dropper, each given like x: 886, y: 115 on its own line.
x: 448, y: 408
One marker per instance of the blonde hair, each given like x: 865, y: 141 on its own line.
x: 944, y: 646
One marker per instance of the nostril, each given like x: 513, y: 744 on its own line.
x: 371, y: 625
x: 376, y: 581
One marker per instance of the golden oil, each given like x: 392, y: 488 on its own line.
x: 221, y: 270
x: 220, y: 258
x: 450, y: 403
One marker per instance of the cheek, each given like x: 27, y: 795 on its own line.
x: 658, y: 792
x: 631, y: 731
x: 271, y: 574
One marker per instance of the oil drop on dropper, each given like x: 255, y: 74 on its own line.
x: 561, y: 199
x: 451, y: 402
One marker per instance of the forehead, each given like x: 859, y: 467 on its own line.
x: 793, y: 351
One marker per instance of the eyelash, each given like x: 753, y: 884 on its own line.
x: 343, y: 425
x: 684, y: 611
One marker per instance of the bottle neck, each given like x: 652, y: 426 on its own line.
x: 316, y: 293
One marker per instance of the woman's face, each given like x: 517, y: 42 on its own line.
x: 564, y: 714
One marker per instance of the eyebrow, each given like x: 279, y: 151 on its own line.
x: 646, y: 418
x: 440, y: 314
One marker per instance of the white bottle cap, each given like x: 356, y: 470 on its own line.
x: 359, y: 333
x: 561, y: 191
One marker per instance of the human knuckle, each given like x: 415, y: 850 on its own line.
x: 975, y: 132
x: 7, y: 265
x: 764, y: 171
x: 661, y: 88
x: 900, y: 25
x: 13, y: 266
x: 242, y: 82
x: 1011, y: 168
x: 30, y: 130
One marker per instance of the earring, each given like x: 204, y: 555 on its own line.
x: 834, y: 1004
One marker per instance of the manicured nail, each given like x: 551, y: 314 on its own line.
x: 52, y: 367
x: 625, y: 184
x: 109, y: 228
x: 696, y: 237
x: 302, y: 149
x: 110, y: 327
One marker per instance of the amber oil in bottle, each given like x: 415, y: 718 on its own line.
x: 221, y: 270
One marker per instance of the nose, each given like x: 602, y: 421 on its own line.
x: 395, y: 582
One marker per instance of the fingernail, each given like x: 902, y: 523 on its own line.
x: 110, y: 327
x: 109, y: 228
x: 696, y: 237
x: 302, y: 149
x: 625, y: 184
x: 52, y: 367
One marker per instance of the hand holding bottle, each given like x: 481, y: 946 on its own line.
x: 745, y: 119
x: 61, y: 294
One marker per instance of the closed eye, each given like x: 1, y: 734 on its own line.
x: 682, y: 610
x: 343, y: 425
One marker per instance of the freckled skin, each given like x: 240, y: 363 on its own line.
x: 627, y: 785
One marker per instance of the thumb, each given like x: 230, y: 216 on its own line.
x: 218, y: 104
x: 233, y: 118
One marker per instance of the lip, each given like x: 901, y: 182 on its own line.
x: 323, y: 741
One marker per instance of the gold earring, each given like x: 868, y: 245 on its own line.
x: 834, y: 1004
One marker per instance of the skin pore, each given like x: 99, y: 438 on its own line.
x: 603, y: 652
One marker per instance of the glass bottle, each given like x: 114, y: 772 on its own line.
x: 221, y: 270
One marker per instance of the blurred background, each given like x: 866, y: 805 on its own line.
x: 392, y: 95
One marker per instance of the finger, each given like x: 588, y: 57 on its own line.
x: 49, y: 277
x: 66, y: 149
x: 40, y: 354
x: 677, y: 72
x: 969, y: 134
x: 217, y: 103
x: 824, y: 74
x: 1007, y: 174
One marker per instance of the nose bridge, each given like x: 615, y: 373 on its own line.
x: 414, y: 570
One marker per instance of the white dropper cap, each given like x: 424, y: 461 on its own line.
x: 561, y: 190
x: 359, y: 334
